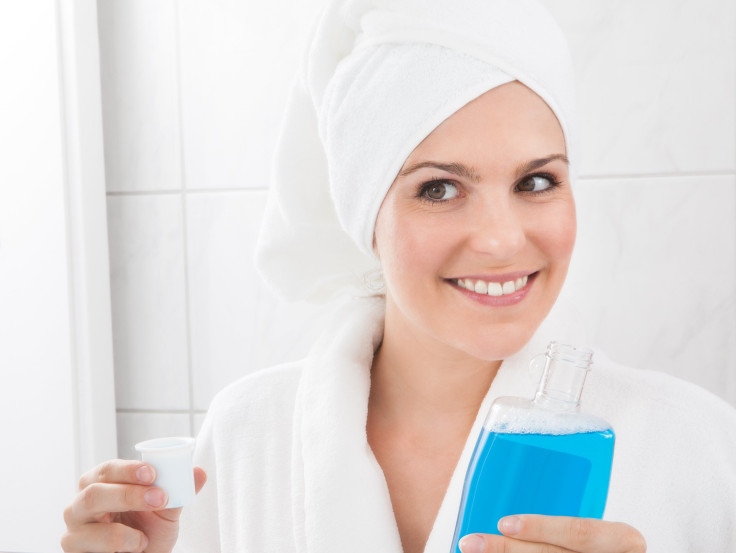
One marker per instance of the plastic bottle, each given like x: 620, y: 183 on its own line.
x: 539, y: 456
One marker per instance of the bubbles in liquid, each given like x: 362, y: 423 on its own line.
x: 518, y: 417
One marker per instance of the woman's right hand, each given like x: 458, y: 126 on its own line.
x: 117, y: 509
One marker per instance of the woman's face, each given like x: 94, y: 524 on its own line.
x: 476, y: 233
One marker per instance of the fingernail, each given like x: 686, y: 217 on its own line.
x: 155, y: 497
x: 472, y: 544
x: 509, y: 526
x: 144, y: 542
x: 144, y: 474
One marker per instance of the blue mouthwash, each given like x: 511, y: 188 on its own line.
x: 540, y: 456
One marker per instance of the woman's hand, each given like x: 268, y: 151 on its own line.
x: 545, y: 534
x: 117, y: 509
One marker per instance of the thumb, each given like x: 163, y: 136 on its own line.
x: 200, y: 477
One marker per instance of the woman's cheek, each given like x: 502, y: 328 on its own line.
x: 555, y: 230
x: 569, y: 231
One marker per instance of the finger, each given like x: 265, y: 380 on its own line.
x: 104, y: 538
x: 488, y: 543
x: 96, y: 500
x: 200, y: 477
x: 119, y: 471
x: 577, y: 534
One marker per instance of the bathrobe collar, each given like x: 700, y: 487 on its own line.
x: 340, y: 495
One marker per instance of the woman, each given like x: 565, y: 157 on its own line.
x: 445, y: 133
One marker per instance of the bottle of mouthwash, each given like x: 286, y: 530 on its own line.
x: 539, y: 456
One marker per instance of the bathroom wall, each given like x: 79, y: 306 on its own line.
x: 192, y: 94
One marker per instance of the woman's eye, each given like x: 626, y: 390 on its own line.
x: 439, y: 190
x: 536, y: 183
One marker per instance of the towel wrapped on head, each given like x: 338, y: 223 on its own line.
x: 380, y: 76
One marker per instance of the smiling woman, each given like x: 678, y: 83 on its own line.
x: 436, y: 142
x: 449, y: 151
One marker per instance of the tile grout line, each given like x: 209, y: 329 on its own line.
x: 731, y: 384
x: 260, y: 190
x: 184, y: 230
x: 628, y: 176
x: 135, y: 411
x: 189, y: 191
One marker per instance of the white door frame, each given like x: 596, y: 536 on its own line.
x: 87, y: 230
x: 57, y: 400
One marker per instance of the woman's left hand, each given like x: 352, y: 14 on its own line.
x: 545, y: 534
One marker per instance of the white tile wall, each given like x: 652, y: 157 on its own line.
x: 654, y: 273
x: 224, y: 288
x: 136, y: 427
x: 656, y: 84
x: 148, y: 301
x: 238, y: 60
x: 192, y: 94
x: 237, y: 325
x: 140, y: 100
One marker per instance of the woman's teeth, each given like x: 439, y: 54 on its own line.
x: 493, y: 288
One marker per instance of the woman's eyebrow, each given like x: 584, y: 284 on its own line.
x: 469, y: 173
x: 455, y: 168
x: 533, y: 164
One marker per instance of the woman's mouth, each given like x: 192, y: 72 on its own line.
x: 493, y: 288
x: 495, y: 291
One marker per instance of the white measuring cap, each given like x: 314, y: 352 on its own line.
x: 173, y: 459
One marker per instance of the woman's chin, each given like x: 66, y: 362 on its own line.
x: 498, y: 346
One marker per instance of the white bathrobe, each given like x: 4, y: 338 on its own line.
x: 290, y: 469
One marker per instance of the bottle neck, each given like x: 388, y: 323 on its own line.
x: 565, y: 370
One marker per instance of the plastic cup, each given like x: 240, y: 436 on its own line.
x: 173, y: 460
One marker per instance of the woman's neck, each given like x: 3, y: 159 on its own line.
x: 417, y: 380
x: 423, y: 402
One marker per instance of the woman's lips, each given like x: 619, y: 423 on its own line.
x: 502, y: 290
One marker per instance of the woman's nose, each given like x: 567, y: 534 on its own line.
x: 498, y: 232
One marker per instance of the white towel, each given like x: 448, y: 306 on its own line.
x: 380, y: 75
